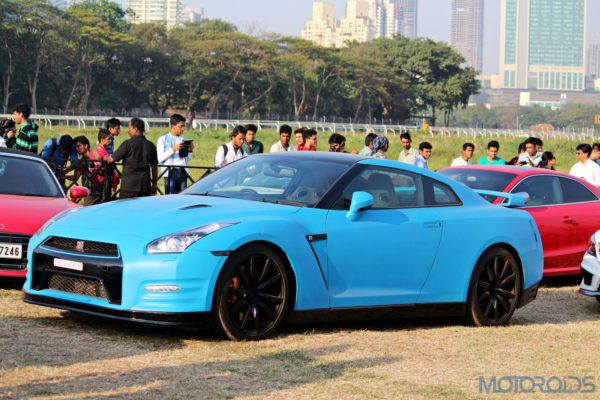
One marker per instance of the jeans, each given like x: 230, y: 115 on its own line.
x: 176, y: 181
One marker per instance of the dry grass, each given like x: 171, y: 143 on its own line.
x: 49, y: 354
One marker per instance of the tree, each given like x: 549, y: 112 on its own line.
x: 98, y: 47
x: 434, y: 71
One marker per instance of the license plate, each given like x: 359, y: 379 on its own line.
x: 74, y: 265
x: 12, y: 251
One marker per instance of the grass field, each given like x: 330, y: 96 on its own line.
x: 445, y: 148
x: 51, y: 354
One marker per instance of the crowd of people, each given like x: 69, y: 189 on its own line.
x: 77, y: 158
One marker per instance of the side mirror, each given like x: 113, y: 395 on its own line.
x: 78, y: 192
x: 518, y: 200
x: 360, y: 201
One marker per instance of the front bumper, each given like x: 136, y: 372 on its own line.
x: 590, y: 269
x: 188, y: 320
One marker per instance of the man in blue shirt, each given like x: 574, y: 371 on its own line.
x: 57, y: 152
x: 424, y: 154
x: 114, y: 128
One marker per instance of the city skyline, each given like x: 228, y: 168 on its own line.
x: 434, y: 20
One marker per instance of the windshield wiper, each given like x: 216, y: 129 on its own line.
x: 209, y: 195
x: 284, y: 202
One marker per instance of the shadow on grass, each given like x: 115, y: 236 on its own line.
x: 73, y: 338
x: 256, y: 376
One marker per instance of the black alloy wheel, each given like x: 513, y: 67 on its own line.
x: 252, y: 294
x: 495, y: 289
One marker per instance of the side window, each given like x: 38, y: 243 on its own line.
x: 390, y: 189
x: 575, y: 192
x: 542, y: 190
x: 439, y: 194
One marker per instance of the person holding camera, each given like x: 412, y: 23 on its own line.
x: 174, y: 152
x: 337, y: 143
x: 8, y: 133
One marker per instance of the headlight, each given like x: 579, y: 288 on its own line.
x: 58, y: 216
x: 178, y: 242
x: 592, y: 250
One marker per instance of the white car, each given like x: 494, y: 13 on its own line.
x: 590, y: 269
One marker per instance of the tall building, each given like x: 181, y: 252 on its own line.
x: 543, y: 44
x: 357, y: 24
x: 169, y: 12
x: 467, y: 31
x: 193, y: 15
x: 321, y: 29
x: 593, y: 61
x: 407, y: 18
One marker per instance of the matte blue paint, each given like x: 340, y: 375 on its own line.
x: 383, y: 257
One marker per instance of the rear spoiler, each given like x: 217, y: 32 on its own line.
x: 512, y: 199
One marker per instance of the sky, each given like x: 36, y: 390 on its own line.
x: 288, y: 17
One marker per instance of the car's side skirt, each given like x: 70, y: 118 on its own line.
x: 379, y: 312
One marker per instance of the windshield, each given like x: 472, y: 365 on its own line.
x: 24, y: 177
x: 480, y: 179
x: 301, y: 181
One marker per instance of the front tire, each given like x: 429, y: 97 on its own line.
x: 495, y: 289
x: 252, y: 294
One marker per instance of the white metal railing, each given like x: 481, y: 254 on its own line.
x: 83, y: 122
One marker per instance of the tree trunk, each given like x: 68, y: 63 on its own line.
x: 32, y: 83
x: 213, y: 103
x: 75, y: 82
x: 432, y: 116
x: 87, y: 90
x: 6, y: 79
x: 358, y: 107
x: 318, y: 95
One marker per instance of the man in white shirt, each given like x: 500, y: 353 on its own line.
x: 465, y: 159
x: 232, y: 151
x: 283, y: 145
x: 173, y: 150
x: 586, y: 169
x: 408, y: 154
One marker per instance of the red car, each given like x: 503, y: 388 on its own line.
x: 29, y: 196
x: 566, y: 208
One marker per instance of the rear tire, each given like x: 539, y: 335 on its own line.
x: 597, y: 299
x: 495, y: 289
x: 252, y: 294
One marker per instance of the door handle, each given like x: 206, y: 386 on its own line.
x: 568, y: 220
x: 435, y: 224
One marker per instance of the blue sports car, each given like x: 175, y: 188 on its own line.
x: 305, y: 236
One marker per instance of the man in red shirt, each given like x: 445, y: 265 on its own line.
x: 310, y: 140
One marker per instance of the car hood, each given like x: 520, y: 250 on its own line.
x: 152, y: 217
x: 25, y: 214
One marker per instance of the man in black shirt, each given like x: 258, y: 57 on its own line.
x: 139, y: 158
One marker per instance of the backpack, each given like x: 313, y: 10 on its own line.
x: 225, y: 150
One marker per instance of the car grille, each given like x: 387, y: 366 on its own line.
x: 10, y: 264
x: 83, y: 246
x: 99, y: 277
x: 77, y: 285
